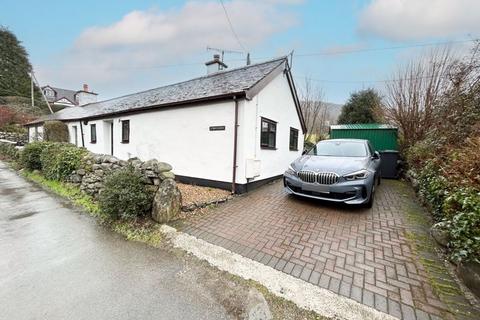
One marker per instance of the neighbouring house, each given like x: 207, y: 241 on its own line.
x: 234, y: 129
x: 69, y: 98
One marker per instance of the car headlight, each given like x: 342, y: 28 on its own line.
x: 362, y: 174
x: 292, y: 171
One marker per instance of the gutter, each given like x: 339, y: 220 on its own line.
x: 295, y: 98
x: 235, y: 138
x: 81, y: 132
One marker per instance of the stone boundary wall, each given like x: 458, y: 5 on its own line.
x: 19, y: 138
x: 95, y: 167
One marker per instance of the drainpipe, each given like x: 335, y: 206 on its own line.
x: 81, y: 133
x: 235, y: 133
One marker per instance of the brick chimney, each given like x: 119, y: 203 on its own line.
x: 85, y: 87
x: 215, y: 65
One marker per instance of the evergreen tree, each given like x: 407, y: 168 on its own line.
x: 14, y: 66
x: 361, y: 107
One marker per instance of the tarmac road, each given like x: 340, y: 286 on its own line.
x: 57, y: 263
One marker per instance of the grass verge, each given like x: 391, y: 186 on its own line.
x: 148, y: 232
x: 141, y: 229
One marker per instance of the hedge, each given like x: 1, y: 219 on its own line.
x: 448, y: 182
x: 125, y: 195
x: 30, y: 155
x: 59, y: 160
x: 8, y: 151
x: 55, y: 131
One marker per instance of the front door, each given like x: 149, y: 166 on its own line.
x: 75, y: 135
x: 108, y: 136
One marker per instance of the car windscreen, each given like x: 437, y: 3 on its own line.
x: 339, y: 149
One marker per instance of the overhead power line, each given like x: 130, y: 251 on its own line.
x: 298, y: 55
x: 302, y: 55
x: 368, y: 81
x: 231, y: 26
x: 418, y: 45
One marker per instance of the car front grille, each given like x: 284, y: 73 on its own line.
x: 318, y: 177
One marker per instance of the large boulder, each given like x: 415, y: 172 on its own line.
x: 440, y: 234
x: 469, y: 272
x: 167, y: 202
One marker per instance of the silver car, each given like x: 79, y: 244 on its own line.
x: 341, y: 170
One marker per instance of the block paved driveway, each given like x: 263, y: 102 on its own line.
x: 364, y: 254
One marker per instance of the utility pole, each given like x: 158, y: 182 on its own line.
x: 31, y: 90
x: 32, y: 76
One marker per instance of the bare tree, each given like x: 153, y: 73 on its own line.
x: 314, y: 111
x: 414, y: 91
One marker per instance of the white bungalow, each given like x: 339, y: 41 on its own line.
x: 234, y: 129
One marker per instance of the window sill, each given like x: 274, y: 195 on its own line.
x: 93, y: 142
x: 268, y: 148
x: 125, y: 142
x: 293, y: 149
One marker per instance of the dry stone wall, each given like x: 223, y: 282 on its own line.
x: 158, y: 177
x: 19, y: 138
x: 95, y: 167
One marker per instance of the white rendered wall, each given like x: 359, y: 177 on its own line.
x: 85, y: 97
x: 274, y: 102
x: 35, y: 136
x: 179, y: 136
x: 97, y: 147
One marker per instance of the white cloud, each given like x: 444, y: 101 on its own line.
x: 417, y: 19
x: 104, y: 55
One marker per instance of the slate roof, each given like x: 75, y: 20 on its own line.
x: 62, y: 93
x: 221, y: 84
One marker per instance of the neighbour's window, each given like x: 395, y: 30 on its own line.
x: 49, y: 93
x: 93, y: 133
x: 125, y: 131
x: 268, y: 135
x: 293, y: 139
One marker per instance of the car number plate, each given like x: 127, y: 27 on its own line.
x: 316, y: 188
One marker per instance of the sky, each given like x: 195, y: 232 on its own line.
x: 120, y: 47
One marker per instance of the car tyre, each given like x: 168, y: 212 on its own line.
x: 369, y: 204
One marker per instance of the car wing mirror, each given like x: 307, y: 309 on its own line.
x: 304, y: 152
x: 376, y: 155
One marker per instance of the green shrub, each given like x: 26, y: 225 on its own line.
x: 59, y: 160
x: 124, y: 194
x: 462, y: 209
x: 15, y: 128
x: 8, y: 151
x: 419, y: 153
x: 433, y: 189
x: 55, y: 131
x: 456, y: 207
x: 30, y: 156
